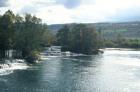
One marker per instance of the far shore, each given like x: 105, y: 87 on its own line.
x: 126, y: 49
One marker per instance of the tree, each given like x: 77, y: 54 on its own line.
x: 29, y: 39
x: 63, y: 37
x: 6, y: 32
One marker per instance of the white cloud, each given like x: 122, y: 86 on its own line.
x: 67, y: 11
x: 55, y: 14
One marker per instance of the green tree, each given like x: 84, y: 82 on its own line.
x: 6, y: 32
x: 63, y: 37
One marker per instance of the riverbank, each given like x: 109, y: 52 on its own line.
x: 112, y: 71
x: 124, y: 49
x: 9, y: 66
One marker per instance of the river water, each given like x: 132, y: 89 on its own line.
x: 112, y: 71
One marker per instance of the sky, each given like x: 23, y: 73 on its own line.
x: 76, y: 11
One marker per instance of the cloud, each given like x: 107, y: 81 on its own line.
x: 55, y: 14
x: 131, y: 14
x: 69, y: 3
x: 28, y: 9
x: 3, y: 3
x: 68, y: 11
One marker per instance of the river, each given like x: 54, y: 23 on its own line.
x: 112, y: 71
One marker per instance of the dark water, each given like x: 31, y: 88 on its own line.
x: 113, y: 71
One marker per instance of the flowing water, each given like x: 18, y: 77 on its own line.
x: 112, y: 71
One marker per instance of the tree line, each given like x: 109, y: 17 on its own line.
x: 122, y: 43
x: 28, y: 35
x: 80, y: 38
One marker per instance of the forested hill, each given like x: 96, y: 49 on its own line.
x: 110, y: 30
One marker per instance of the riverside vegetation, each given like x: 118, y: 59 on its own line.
x: 28, y: 36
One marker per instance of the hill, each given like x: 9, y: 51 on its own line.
x: 110, y: 30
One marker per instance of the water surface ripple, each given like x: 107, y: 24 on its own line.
x: 112, y: 71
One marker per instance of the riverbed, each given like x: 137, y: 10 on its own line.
x: 113, y: 71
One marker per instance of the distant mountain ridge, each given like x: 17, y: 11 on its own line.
x: 110, y: 30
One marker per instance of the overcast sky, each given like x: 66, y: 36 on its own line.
x: 77, y: 11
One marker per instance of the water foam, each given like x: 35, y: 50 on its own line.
x: 9, y: 67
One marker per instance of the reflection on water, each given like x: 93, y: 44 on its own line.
x: 113, y: 71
